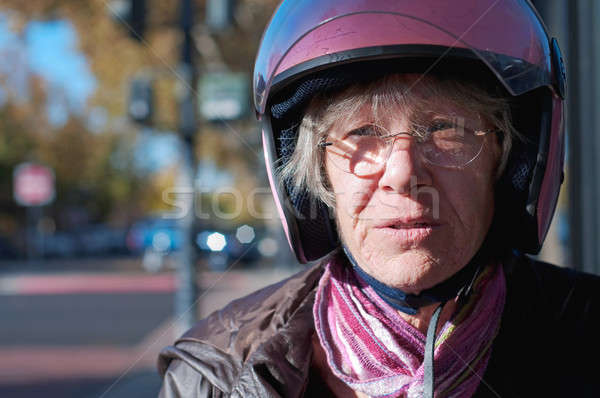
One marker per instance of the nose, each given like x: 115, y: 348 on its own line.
x: 404, y: 168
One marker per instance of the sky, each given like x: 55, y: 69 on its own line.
x: 52, y: 53
x: 49, y: 49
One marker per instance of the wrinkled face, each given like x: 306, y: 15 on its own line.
x: 413, y: 223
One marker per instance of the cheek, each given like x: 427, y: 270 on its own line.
x: 472, y: 200
x: 475, y: 212
x: 350, y: 212
x: 352, y: 197
x: 352, y: 194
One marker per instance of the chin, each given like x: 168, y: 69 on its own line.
x: 411, y: 271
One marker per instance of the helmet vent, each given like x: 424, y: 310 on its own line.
x: 287, y: 144
x: 520, y: 177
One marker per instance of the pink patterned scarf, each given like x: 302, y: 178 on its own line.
x: 374, y: 350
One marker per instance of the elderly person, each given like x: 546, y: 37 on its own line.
x: 417, y: 148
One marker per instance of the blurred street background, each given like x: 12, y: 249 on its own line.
x: 114, y: 115
x: 133, y: 196
x: 93, y: 328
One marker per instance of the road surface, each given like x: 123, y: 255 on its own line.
x: 97, y: 334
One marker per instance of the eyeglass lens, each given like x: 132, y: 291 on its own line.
x: 364, y: 151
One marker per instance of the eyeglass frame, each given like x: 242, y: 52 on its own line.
x: 392, y: 138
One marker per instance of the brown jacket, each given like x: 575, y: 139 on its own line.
x: 257, y: 346
x: 260, y: 345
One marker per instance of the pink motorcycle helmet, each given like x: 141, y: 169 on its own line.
x: 310, y: 46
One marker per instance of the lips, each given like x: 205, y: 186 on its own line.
x: 409, y: 223
x: 408, y: 231
x: 406, y: 226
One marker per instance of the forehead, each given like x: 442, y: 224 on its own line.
x: 398, y: 101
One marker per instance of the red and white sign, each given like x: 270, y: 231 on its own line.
x: 33, y: 184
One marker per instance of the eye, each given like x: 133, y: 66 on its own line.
x: 441, y: 124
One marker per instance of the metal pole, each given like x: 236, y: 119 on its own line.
x: 33, y: 216
x: 30, y: 222
x: 187, y: 293
x: 583, y: 128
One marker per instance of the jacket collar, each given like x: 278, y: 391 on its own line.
x: 280, y: 366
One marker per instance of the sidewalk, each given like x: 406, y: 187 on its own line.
x: 108, y: 371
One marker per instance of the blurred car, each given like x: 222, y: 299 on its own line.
x: 156, y: 233
x: 91, y: 240
x: 155, y: 238
x: 100, y: 239
x: 60, y: 245
x: 221, y: 248
x: 7, y: 250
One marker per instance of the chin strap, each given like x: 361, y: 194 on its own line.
x: 460, y: 283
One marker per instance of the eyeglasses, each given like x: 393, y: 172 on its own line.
x: 446, y: 142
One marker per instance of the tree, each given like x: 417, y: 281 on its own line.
x: 84, y: 160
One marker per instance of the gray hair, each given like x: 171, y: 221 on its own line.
x: 306, y: 167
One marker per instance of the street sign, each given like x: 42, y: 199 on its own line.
x: 219, y: 14
x: 223, y: 95
x: 33, y: 184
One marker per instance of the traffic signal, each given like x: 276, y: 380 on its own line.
x: 141, y: 101
x: 137, y: 19
x: 219, y: 14
x: 131, y: 14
